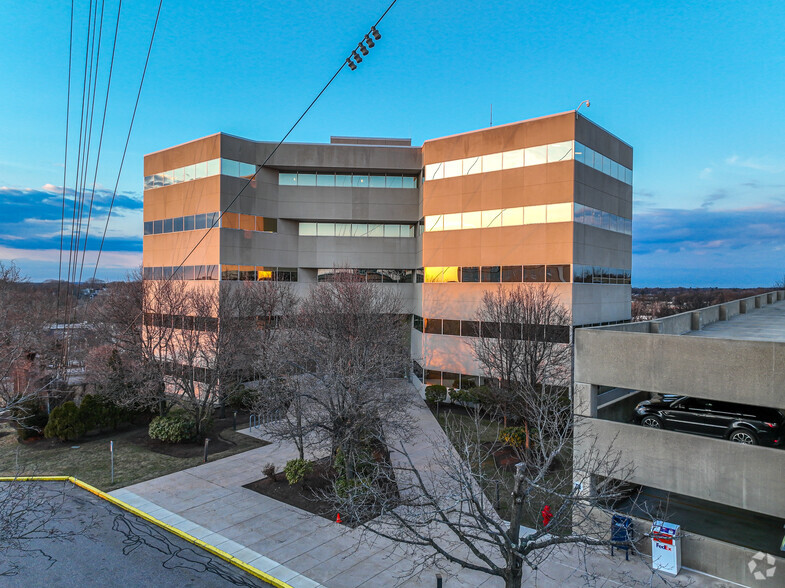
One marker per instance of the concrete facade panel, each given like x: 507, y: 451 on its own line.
x: 751, y: 372
x: 196, y: 151
x: 726, y: 473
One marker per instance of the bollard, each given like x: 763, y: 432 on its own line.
x: 438, y: 581
x: 234, y: 421
x: 206, y: 443
x: 496, y: 504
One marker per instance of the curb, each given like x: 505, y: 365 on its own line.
x: 150, y: 519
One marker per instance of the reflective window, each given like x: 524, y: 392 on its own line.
x: 557, y: 273
x: 200, y: 221
x: 325, y: 229
x: 535, y: 155
x: 470, y: 274
x: 343, y: 229
x: 512, y: 217
x: 471, y: 165
x: 433, y: 326
x: 377, y: 182
x: 535, y: 215
x: 451, y: 327
x: 213, y: 167
x: 325, y: 180
x: 343, y: 181
x: 559, y: 213
x: 359, y: 230
x: 451, y: 274
x: 470, y: 329
x: 247, y: 222
x: 490, y: 273
x: 392, y: 230
x: 247, y: 170
x: 491, y: 162
x: 148, y: 228
x: 306, y: 179
x: 512, y: 159
x: 434, y: 223
x: 491, y: 218
x: 360, y: 181
x: 512, y: 273
x: 158, y: 226
x: 375, y: 230
x: 559, y: 151
x: 472, y: 220
x: 434, y: 171
x: 201, y: 170
x: 533, y: 273
x: 287, y: 179
x: 177, y: 224
x: 308, y: 229
x: 452, y: 221
x: 188, y: 223
x: 409, y: 182
x: 394, y: 182
x: 453, y: 168
x: 167, y: 225
x: 434, y: 274
x: 230, y: 167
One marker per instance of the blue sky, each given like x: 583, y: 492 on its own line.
x: 697, y: 89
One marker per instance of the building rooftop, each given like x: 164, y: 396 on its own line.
x: 761, y: 324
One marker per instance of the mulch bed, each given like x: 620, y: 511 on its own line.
x: 305, y: 495
x: 136, y: 434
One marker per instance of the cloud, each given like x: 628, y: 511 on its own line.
x: 757, y: 164
x: 677, y: 230
x: 705, y: 173
x: 712, y: 198
x: 109, y: 259
x: 33, y: 218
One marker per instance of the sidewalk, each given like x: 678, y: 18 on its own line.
x: 307, y: 551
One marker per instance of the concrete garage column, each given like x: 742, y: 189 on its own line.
x: 585, y: 399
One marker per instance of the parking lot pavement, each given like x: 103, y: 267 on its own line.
x: 117, y: 549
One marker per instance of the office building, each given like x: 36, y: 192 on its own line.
x: 543, y: 200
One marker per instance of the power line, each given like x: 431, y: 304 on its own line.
x: 65, y: 157
x: 347, y: 62
x: 127, y: 139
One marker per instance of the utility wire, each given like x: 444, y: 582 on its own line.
x: 127, y: 139
x: 250, y: 180
x: 101, y: 138
x: 65, y: 157
x: 259, y: 168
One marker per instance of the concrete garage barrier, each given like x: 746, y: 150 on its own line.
x: 267, y: 578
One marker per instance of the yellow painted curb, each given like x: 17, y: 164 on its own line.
x: 150, y: 519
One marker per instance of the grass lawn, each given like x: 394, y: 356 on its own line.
x: 134, y: 461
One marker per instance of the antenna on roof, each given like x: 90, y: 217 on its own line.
x: 491, y: 113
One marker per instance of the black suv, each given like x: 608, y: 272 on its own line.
x: 752, y: 425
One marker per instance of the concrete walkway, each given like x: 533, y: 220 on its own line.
x: 306, y: 550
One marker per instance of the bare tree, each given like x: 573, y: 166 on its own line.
x: 348, y: 342
x: 26, y: 350
x: 442, y: 512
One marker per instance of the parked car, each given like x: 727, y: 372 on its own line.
x: 752, y: 425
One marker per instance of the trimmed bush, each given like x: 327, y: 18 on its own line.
x: 240, y: 398
x: 29, y: 420
x: 296, y: 470
x: 435, y: 393
x: 65, y: 423
x: 91, y: 411
x: 467, y: 396
x: 172, y: 428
